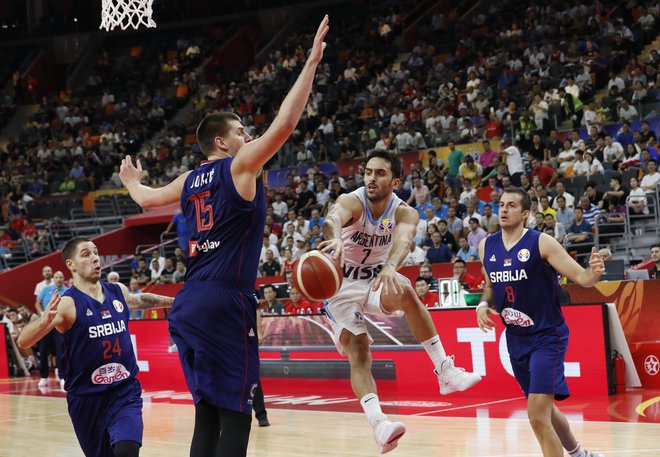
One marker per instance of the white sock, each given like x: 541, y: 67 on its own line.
x: 371, y: 407
x: 577, y: 452
x: 435, y: 351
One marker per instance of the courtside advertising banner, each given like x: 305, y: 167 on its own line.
x: 298, y: 353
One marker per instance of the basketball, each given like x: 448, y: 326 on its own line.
x: 316, y: 276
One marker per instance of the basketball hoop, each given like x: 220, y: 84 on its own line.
x: 126, y: 13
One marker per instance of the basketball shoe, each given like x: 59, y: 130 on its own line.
x: 43, y: 382
x: 454, y: 379
x: 387, y: 433
x: 592, y: 454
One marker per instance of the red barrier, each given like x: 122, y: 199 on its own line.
x: 4, y: 364
x: 297, y: 354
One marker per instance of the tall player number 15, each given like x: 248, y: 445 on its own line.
x: 203, y: 210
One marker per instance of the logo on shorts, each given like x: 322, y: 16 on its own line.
x: 514, y: 317
x: 359, y: 319
x: 652, y: 365
x: 110, y: 373
x: 523, y: 255
x: 386, y: 226
x: 119, y: 306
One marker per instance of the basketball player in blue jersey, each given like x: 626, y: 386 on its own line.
x: 213, y: 320
x: 370, y: 230
x: 521, y: 267
x: 98, y: 360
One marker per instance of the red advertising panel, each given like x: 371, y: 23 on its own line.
x: 4, y: 366
x: 298, y: 354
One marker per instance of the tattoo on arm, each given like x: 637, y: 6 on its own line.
x: 148, y: 301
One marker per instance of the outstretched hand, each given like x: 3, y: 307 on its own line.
x: 483, y: 318
x: 319, y: 45
x: 334, y: 246
x: 51, y: 310
x: 596, y: 263
x: 129, y: 173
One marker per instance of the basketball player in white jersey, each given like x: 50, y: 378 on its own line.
x: 370, y: 231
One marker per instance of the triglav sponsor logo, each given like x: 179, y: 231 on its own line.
x: 110, y: 373
x: 206, y: 246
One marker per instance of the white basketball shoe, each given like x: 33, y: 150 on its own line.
x: 43, y: 382
x: 592, y: 454
x: 454, y: 379
x: 387, y: 433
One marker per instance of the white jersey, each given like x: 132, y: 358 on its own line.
x: 368, y: 242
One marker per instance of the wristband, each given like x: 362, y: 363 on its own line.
x: 483, y: 304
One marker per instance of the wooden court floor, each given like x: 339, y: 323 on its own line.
x: 33, y: 426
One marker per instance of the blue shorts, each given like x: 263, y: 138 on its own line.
x: 538, y: 361
x: 102, y: 420
x: 215, y: 330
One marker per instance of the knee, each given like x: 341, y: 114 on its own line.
x: 126, y: 449
x: 538, y: 421
x: 409, y: 299
x: 357, y: 349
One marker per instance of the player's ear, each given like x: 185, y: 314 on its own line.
x: 220, y: 143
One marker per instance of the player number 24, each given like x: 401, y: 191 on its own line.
x: 110, y: 348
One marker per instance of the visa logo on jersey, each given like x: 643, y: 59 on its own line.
x: 194, y: 247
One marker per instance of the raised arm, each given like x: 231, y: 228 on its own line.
x: 253, y: 156
x: 146, y: 196
x: 553, y: 253
x: 406, y: 219
x: 346, y: 209
x: 145, y: 301
x: 60, y: 313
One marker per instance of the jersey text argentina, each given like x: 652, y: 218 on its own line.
x: 367, y: 242
x: 517, y: 276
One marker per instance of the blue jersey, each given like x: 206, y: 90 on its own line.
x: 226, y: 231
x: 97, y: 353
x: 525, y: 287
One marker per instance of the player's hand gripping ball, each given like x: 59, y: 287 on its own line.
x: 316, y: 276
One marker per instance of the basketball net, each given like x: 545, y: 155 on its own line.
x: 126, y: 13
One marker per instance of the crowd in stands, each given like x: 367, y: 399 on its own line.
x: 515, y: 79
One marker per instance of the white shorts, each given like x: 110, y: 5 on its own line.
x: 346, y: 308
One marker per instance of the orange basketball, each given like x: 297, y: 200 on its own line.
x: 317, y: 276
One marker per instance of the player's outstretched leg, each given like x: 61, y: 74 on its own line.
x: 451, y: 378
x: 386, y: 433
x: 568, y: 441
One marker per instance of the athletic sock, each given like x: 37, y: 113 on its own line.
x: 371, y: 406
x: 577, y: 452
x: 435, y: 351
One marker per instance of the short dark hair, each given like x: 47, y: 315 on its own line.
x: 395, y: 164
x: 213, y: 125
x: 69, y: 249
x: 422, y: 278
x: 655, y: 246
x: 459, y: 260
x: 525, y: 200
x: 269, y: 286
